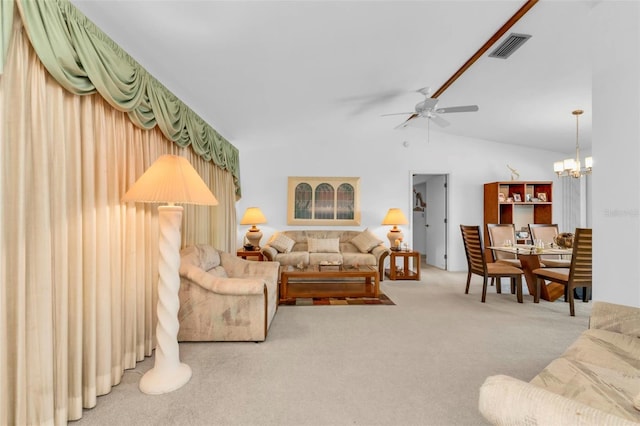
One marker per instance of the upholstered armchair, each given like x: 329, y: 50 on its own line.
x: 224, y: 297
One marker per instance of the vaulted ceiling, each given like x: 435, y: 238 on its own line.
x: 252, y: 68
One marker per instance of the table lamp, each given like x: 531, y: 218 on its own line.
x: 171, y: 179
x: 394, y: 217
x: 253, y: 216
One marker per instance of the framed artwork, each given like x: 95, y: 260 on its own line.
x: 516, y: 197
x: 333, y: 201
x: 542, y: 196
x: 501, y: 197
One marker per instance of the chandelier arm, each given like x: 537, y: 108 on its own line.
x: 575, y: 166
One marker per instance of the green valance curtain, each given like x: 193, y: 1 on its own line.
x: 6, y: 16
x: 84, y: 60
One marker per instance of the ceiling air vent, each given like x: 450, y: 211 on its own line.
x: 509, y: 45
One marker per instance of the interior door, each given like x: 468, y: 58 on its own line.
x: 436, y: 224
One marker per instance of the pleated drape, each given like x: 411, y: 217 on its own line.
x: 78, y: 268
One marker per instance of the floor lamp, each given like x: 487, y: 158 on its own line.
x: 171, y: 179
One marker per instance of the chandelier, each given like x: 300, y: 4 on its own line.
x: 571, y: 166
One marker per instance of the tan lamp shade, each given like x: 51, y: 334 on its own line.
x: 395, y: 217
x: 171, y: 179
x: 253, y: 216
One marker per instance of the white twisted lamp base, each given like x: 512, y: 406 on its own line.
x: 168, y: 373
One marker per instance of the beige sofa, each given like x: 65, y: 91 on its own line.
x: 596, y: 381
x: 225, y: 298
x: 312, y: 247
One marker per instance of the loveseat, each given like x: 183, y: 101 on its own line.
x: 313, y: 247
x: 225, y: 298
x: 596, y: 381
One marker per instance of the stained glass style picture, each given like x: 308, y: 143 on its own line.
x: 323, y: 201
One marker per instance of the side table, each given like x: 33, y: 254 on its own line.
x: 404, y: 273
x: 250, y: 253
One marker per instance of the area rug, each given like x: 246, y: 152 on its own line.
x: 319, y: 301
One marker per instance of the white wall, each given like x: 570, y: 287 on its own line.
x: 385, y: 167
x: 616, y: 152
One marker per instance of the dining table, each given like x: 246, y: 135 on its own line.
x: 529, y: 256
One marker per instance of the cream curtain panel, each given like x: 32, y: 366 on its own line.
x: 78, y: 268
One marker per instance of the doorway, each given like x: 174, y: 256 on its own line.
x: 429, y: 217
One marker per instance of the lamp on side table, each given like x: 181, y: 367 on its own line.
x: 171, y: 179
x: 394, y: 217
x: 253, y: 216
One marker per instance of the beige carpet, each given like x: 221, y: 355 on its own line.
x: 420, y: 362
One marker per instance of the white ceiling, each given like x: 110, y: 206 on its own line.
x: 256, y: 68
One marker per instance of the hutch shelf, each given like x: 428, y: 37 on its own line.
x: 517, y: 202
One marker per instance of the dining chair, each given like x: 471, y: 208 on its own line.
x: 578, y: 275
x: 546, y: 232
x: 477, y: 264
x: 498, y: 234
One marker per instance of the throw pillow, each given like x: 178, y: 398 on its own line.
x: 323, y: 245
x: 209, y: 257
x: 365, y: 241
x: 282, y: 243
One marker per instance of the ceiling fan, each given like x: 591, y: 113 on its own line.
x: 428, y: 109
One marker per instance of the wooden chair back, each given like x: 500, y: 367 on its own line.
x: 473, y: 249
x: 580, y: 273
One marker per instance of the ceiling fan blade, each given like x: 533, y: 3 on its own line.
x: 374, y: 98
x: 397, y: 113
x: 363, y: 103
x: 421, y: 122
x: 439, y: 120
x: 466, y: 108
x: 407, y: 122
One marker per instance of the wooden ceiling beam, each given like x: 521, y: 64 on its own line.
x: 494, y: 38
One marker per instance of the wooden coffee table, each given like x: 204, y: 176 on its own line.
x: 329, y: 281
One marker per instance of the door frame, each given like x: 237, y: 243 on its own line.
x: 447, y: 213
